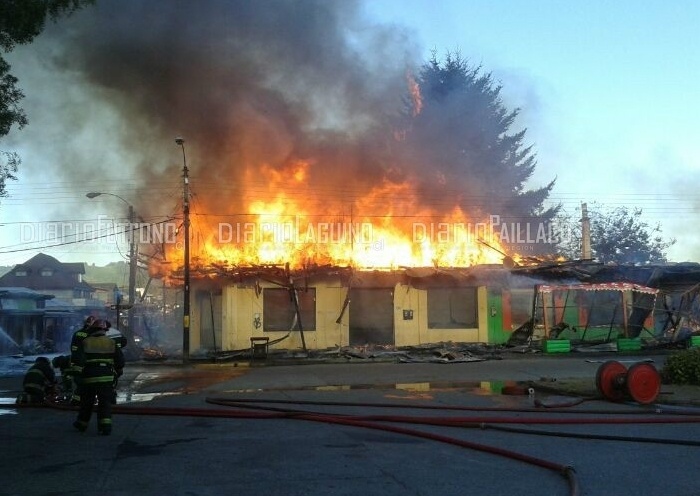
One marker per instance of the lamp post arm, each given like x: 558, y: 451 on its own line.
x: 133, y: 256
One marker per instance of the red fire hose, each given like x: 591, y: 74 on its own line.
x: 260, y: 409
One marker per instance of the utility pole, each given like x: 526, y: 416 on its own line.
x: 186, y: 297
x: 132, y: 273
x: 585, y: 233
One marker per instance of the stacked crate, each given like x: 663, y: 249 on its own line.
x: 629, y: 344
x: 556, y: 345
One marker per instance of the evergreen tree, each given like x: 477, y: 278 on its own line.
x: 459, y: 128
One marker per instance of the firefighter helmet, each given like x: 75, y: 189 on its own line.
x: 99, y: 324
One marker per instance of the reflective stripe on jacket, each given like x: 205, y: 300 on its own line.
x: 99, y: 356
x: 75, y: 344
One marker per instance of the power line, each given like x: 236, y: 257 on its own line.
x: 4, y: 250
x: 70, y: 190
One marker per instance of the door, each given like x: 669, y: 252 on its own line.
x: 210, y: 319
x: 371, y: 316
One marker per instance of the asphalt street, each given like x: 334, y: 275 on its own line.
x: 315, y: 429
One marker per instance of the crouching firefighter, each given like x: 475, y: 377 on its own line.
x: 101, y: 362
x: 38, y: 382
x: 68, y: 388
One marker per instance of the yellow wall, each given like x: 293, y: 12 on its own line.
x: 415, y: 331
x: 329, y: 303
x: 408, y: 332
x: 241, y: 307
x: 229, y: 312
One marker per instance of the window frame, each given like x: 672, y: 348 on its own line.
x: 469, y: 312
x: 272, y: 323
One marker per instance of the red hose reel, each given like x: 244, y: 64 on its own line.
x: 641, y: 382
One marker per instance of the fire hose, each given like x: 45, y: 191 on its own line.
x: 258, y: 409
x: 365, y: 421
x: 613, y: 381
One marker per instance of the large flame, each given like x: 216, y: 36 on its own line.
x: 384, y: 228
x: 287, y: 222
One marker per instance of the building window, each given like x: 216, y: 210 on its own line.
x: 46, y: 272
x: 452, y: 308
x: 279, y: 311
x: 21, y: 273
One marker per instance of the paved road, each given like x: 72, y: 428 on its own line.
x: 206, y: 449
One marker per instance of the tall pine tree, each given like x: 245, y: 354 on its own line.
x: 460, y: 130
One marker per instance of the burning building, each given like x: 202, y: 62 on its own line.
x: 343, y: 191
x: 341, y: 187
x: 326, y: 307
x: 286, y: 274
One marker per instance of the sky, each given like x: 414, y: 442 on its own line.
x: 608, y: 92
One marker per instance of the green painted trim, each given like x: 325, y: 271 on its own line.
x: 494, y: 318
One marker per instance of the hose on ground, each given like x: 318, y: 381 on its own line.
x: 603, y: 437
x: 254, y: 409
x: 465, y: 421
x: 565, y: 471
x: 545, y: 408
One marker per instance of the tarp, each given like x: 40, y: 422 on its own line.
x: 608, y: 286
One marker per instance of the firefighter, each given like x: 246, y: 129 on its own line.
x: 121, y: 342
x: 62, y: 363
x: 38, y: 381
x: 101, y: 361
x: 75, y: 369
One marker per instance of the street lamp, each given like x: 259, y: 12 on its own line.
x: 132, y: 262
x: 186, y: 297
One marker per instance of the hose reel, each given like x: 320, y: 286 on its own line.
x: 641, y: 382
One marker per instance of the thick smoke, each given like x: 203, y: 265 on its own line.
x: 255, y: 88
x: 279, y: 100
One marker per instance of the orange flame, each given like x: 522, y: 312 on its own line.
x: 414, y: 91
x: 385, y: 228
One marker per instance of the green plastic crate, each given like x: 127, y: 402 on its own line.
x: 556, y: 346
x: 629, y: 344
x: 694, y: 341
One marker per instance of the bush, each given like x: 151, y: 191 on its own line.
x: 682, y: 368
